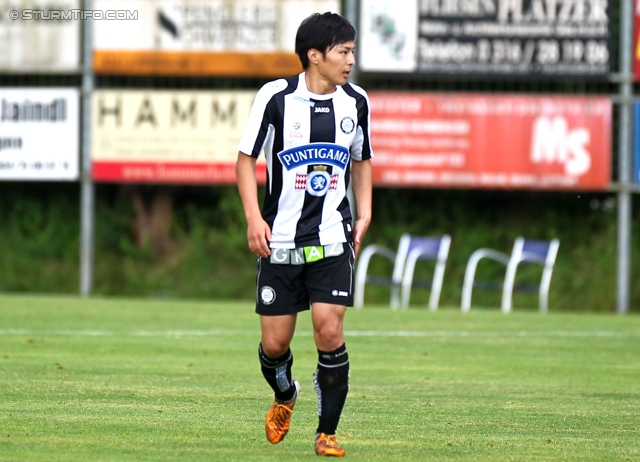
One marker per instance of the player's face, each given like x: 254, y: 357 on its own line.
x: 338, y: 63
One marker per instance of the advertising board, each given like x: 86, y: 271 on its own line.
x: 236, y: 38
x: 39, y: 134
x: 163, y: 136
x: 32, y: 40
x: 491, y: 141
x: 509, y: 38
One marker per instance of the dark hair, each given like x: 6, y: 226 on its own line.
x: 322, y: 32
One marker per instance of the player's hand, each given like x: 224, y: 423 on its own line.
x: 259, y: 237
x: 359, y: 230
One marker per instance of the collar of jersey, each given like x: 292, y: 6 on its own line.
x: 309, y: 94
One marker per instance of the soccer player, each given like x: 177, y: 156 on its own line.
x: 314, y: 130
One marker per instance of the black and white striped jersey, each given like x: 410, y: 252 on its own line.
x: 309, y: 141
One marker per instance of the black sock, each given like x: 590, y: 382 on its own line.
x: 332, y: 386
x: 277, y: 373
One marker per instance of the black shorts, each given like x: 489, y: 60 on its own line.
x: 291, y: 288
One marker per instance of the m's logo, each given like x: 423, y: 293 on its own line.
x: 553, y: 142
x: 325, y: 110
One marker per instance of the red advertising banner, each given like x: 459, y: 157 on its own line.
x: 491, y: 141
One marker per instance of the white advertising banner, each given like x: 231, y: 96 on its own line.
x: 528, y: 39
x: 39, y: 36
x: 203, y: 37
x: 165, y: 136
x: 39, y: 134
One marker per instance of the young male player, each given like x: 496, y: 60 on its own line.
x: 314, y: 130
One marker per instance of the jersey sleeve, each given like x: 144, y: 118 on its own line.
x: 361, y: 146
x: 257, y: 128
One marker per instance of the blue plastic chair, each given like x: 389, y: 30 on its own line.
x: 524, y: 251
x: 411, y: 249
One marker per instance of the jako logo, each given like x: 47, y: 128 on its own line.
x: 552, y: 141
x: 323, y: 109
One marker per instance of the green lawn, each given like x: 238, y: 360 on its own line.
x: 119, y: 379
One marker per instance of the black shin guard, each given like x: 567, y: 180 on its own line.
x: 277, y: 373
x: 332, y: 386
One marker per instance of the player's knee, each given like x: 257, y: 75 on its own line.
x: 274, y: 348
x: 328, y: 337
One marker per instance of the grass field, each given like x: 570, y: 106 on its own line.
x: 119, y: 380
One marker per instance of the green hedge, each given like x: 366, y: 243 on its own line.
x: 207, y: 257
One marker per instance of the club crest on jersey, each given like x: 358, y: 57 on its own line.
x: 315, y: 153
x: 347, y: 125
x: 318, y: 182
